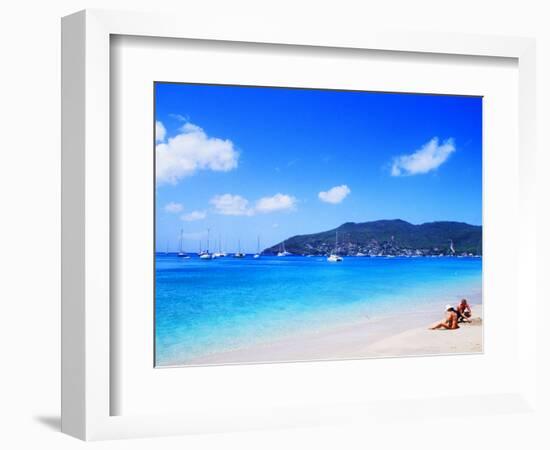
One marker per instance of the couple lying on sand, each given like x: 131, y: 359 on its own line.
x: 461, y: 313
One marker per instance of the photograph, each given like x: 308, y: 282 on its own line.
x: 299, y: 224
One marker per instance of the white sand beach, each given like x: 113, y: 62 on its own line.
x: 403, y: 334
x: 422, y: 341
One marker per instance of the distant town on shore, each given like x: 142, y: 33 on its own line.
x: 388, y: 238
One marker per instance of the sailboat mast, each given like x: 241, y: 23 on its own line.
x: 208, y: 241
x: 181, y: 240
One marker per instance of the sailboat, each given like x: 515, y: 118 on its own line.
x: 283, y: 251
x: 206, y: 254
x: 181, y: 253
x: 333, y: 257
x: 167, y: 247
x: 238, y: 254
x: 219, y: 253
x: 257, y: 255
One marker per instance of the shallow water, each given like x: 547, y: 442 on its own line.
x: 205, y: 307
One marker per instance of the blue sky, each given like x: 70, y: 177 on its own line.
x: 249, y: 161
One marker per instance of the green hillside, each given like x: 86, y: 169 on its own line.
x: 389, y: 237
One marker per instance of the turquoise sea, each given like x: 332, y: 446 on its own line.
x: 203, y: 307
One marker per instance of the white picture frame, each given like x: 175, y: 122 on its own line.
x: 87, y: 385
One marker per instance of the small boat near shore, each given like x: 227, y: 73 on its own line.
x: 258, y: 253
x: 283, y: 251
x: 238, y: 253
x: 334, y: 257
x: 205, y: 255
x: 181, y: 253
x: 219, y: 253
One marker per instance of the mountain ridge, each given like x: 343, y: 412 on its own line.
x: 389, y: 237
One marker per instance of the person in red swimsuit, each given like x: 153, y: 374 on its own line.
x: 464, y: 311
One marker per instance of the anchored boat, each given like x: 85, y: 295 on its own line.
x: 334, y: 257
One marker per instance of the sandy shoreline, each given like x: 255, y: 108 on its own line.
x: 401, y: 334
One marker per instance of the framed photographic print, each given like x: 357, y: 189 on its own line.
x: 265, y: 229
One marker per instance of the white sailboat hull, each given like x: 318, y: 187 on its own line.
x: 333, y: 257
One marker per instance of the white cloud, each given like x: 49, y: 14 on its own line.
x: 231, y: 205
x: 173, y: 207
x: 429, y: 157
x: 236, y: 205
x: 180, y: 117
x: 335, y: 195
x: 192, y: 150
x: 160, y: 131
x: 278, y: 202
x: 194, y: 215
x: 189, y: 127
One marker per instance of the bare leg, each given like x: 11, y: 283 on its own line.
x: 439, y: 326
x: 465, y: 319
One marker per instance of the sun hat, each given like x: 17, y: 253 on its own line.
x: 448, y: 307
